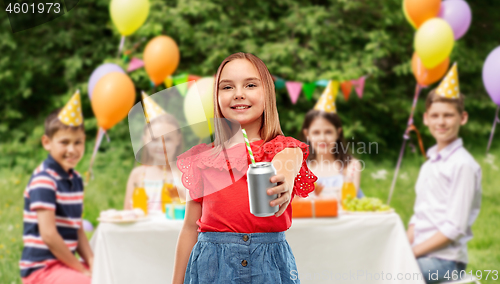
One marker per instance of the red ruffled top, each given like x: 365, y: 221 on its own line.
x: 218, y: 181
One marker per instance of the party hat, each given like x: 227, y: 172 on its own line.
x: 71, y: 114
x: 326, y: 102
x: 449, y: 87
x: 151, y: 109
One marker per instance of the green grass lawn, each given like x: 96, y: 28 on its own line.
x: 113, y: 166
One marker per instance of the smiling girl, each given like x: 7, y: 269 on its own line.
x: 221, y: 241
x: 329, y: 159
x: 154, y: 177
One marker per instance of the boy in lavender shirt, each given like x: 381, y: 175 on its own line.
x: 448, y: 189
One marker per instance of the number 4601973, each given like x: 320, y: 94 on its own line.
x: 479, y: 274
x: 24, y: 8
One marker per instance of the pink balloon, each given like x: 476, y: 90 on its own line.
x: 458, y: 14
x: 491, y: 75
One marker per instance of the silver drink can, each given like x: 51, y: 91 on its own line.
x: 259, y: 176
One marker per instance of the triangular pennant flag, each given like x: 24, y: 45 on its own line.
x: 359, y: 85
x: 192, y: 79
x: 309, y: 90
x: 71, y: 113
x: 326, y: 102
x: 180, y: 80
x: 346, y: 87
x: 449, y: 87
x: 294, y: 89
x: 322, y: 83
x: 169, y: 81
x: 279, y: 83
x: 135, y: 64
x: 151, y: 109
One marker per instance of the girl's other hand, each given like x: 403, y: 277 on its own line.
x: 284, y: 193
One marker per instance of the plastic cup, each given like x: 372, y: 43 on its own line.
x: 179, y: 211
x: 169, y: 211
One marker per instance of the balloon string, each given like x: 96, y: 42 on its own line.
x: 493, y: 129
x: 100, y: 134
x: 167, y: 165
x: 420, y: 142
x: 406, y: 137
x: 122, y: 43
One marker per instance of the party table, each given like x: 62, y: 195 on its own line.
x: 347, y: 249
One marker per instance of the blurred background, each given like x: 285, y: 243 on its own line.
x: 305, y: 41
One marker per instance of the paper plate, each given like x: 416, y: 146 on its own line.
x: 369, y: 212
x: 106, y: 220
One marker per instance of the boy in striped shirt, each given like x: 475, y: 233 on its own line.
x: 53, y: 203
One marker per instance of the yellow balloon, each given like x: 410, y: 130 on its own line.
x: 434, y: 42
x: 128, y: 15
x: 199, y: 106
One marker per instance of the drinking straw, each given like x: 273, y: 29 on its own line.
x: 248, y: 146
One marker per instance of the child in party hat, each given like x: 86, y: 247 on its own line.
x: 329, y: 158
x: 154, y: 174
x: 448, y: 188
x: 53, y: 204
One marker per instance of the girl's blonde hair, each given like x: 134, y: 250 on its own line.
x: 270, y: 126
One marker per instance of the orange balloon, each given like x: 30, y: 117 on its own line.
x: 420, y: 11
x: 112, y: 99
x: 161, y: 58
x: 425, y: 76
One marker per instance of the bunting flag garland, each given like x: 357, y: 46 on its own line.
x: 180, y: 80
x: 346, y: 87
x: 279, y: 83
x: 135, y: 64
x: 309, y: 90
x: 192, y: 78
x: 322, y: 83
x: 359, y: 85
x: 169, y: 82
x: 294, y: 89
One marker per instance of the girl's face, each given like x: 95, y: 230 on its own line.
x: 172, y: 140
x: 322, y: 135
x: 241, y: 93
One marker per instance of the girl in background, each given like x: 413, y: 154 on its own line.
x: 151, y: 177
x: 329, y: 159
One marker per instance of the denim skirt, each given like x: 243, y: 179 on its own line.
x: 241, y: 258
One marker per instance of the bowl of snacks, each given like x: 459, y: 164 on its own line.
x: 366, y: 205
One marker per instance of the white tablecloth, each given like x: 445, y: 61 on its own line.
x: 348, y: 249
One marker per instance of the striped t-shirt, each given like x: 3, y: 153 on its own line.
x: 52, y: 188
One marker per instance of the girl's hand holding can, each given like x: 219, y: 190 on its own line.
x: 284, y: 192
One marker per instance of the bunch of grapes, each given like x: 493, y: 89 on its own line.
x: 365, y: 204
